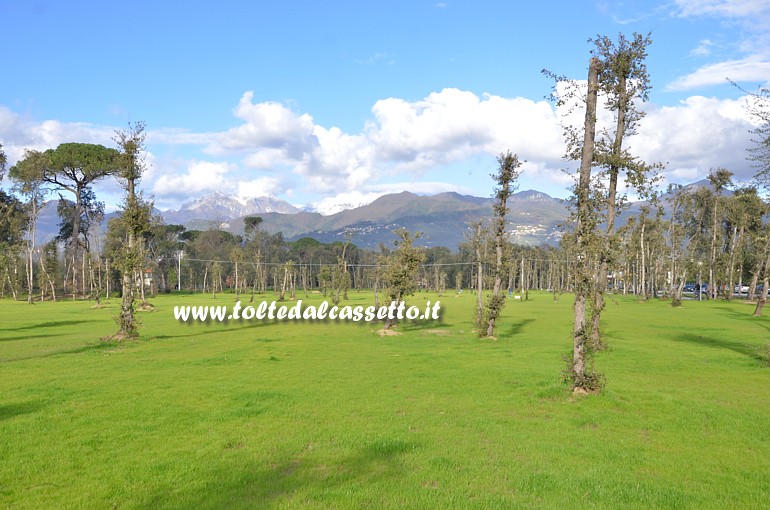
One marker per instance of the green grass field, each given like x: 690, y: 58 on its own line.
x: 332, y: 415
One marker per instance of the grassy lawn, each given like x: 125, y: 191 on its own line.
x: 332, y: 415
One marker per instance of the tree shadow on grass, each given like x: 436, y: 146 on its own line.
x: 517, y: 327
x: 760, y: 321
x: 26, y: 337
x: 321, y: 482
x: 418, y: 325
x: 735, y: 313
x: 743, y: 349
x: 8, y: 411
x: 75, y: 350
x: 182, y: 333
x: 50, y: 324
x: 42, y: 325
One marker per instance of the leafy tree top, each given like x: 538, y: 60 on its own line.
x: 71, y: 166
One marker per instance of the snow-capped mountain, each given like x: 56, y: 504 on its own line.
x: 342, y: 202
x: 329, y: 208
x: 220, y: 206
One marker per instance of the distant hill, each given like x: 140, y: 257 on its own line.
x: 443, y: 218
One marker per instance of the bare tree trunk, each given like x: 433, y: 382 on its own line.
x: 141, y: 284
x: 74, y: 279
x: 643, y: 263
x: 713, y: 258
x: 376, y: 292
x: 284, y: 283
x: 254, y: 286
x: 48, y: 278
x: 479, y: 279
x: 731, y: 270
x: 30, y: 273
x: 237, y: 290
x: 766, y: 279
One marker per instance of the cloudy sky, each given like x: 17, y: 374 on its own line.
x: 341, y: 101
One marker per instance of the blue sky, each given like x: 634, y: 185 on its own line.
x: 338, y: 102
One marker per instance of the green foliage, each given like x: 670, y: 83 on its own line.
x: 505, y: 184
x: 402, y: 265
x: 136, y: 218
x: 759, y: 108
x: 251, y: 226
x: 13, y: 220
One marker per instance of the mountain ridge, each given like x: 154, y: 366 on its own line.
x: 534, y: 217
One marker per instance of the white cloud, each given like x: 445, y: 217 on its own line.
x: 337, y: 161
x: 267, y: 125
x: 200, y: 176
x: 698, y: 134
x: 260, y: 187
x: 404, y: 137
x: 703, y: 49
x: 754, y: 68
x: 266, y: 159
x: 18, y: 133
x: 453, y: 124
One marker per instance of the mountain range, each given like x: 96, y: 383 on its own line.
x: 443, y: 218
x: 534, y: 217
x: 218, y: 206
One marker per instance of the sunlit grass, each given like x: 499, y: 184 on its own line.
x: 330, y: 414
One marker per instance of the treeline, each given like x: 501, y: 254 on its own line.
x: 216, y: 261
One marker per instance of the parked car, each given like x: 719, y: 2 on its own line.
x: 741, y: 289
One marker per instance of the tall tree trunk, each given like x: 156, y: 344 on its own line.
x: 643, y: 263
x: 75, y: 239
x: 237, y: 290
x: 601, y: 276
x: 505, y: 178
x: 479, y: 279
x: 765, y: 281
x: 582, y: 232
x: 713, y: 258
